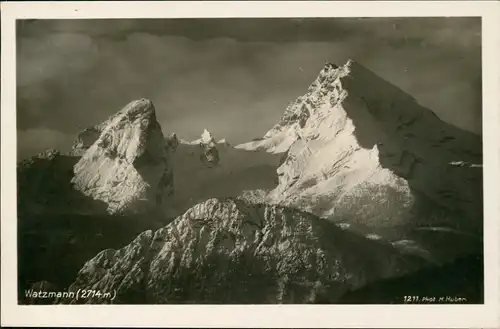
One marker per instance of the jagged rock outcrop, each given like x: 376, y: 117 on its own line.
x: 127, y: 167
x: 228, y: 251
x: 358, y: 149
x: 172, y: 142
x: 210, y: 156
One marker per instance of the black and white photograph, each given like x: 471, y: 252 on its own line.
x: 249, y: 161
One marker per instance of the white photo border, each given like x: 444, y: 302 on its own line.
x: 256, y: 316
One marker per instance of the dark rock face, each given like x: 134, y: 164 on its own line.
x: 53, y: 247
x: 172, y: 142
x: 210, y: 156
x: 43, y: 184
x: 458, y: 282
x: 48, y: 208
x: 228, y: 251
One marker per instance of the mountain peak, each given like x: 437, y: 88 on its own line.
x: 351, y: 62
x: 353, y: 131
x: 326, y: 88
x: 353, y: 83
x: 127, y: 166
x: 207, y: 137
x: 330, y: 66
x: 140, y: 107
x: 346, y: 67
x: 141, y: 111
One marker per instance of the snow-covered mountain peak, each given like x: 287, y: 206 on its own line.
x: 207, y: 137
x: 303, y: 116
x: 354, y: 141
x: 127, y: 166
x: 326, y: 89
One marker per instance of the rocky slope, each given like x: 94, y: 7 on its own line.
x: 229, y: 251
x: 127, y: 166
x: 360, y: 151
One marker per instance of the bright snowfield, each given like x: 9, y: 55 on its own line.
x: 356, y: 183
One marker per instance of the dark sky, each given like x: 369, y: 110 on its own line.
x: 231, y: 76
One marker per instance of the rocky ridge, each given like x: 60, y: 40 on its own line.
x: 229, y: 251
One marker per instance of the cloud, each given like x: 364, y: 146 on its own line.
x: 455, y: 30
x: 222, y: 74
x: 74, y: 51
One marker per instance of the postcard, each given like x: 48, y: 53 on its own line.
x: 251, y: 164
